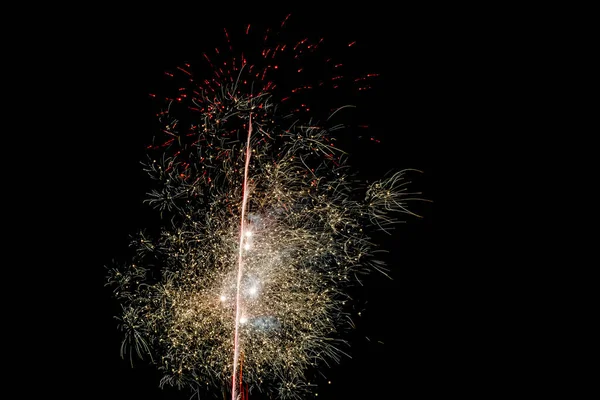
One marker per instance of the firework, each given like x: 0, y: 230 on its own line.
x: 268, y: 227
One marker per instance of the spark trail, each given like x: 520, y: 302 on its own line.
x: 236, y: 345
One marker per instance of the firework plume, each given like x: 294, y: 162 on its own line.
x: 246, y: 288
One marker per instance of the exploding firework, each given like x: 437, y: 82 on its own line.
x: 269, y: 226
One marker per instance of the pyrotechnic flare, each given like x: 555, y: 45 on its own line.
x: 268, y: 228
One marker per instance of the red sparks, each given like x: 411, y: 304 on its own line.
x: 208, y: 59
x: 352, y: 44
x: 185, y: 71
x: 332, y: 158
x: 299, y: 43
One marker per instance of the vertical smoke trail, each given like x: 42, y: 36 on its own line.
x: 236, y: 347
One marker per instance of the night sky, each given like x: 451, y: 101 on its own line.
x: 396, y: 347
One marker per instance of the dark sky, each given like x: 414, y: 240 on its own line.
x: 405, y: 109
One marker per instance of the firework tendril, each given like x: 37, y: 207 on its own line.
x: 188, y: 306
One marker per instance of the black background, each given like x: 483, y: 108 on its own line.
x: 407, y: 110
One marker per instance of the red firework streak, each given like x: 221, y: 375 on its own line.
x: 236, y: 345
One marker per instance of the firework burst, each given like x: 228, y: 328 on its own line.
x: 246, y: 288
